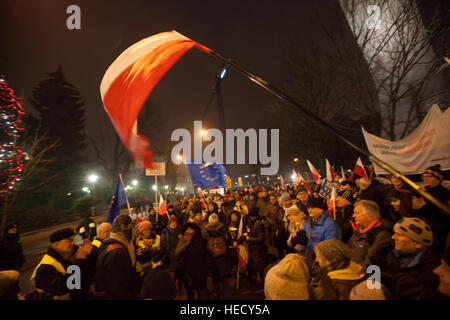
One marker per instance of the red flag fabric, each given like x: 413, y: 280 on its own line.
x: 302, y: 181
x: 162, y: 206
x: 359, y: 169
x: 314, y: 171
x: 131, y: 78
x: 330, y: 173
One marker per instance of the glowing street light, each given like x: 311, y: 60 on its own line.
x: 294, y: 176
x: 93, y: 178
x: 203, y: 132
x: 134, y: 182
x: 167, y: 187
x: 179, y: 157
x: 154, y: 187
x: 182, y: 189
x: 295, y: 159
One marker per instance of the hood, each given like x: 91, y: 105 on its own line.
x: 353, y: 272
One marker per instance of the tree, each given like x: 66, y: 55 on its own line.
x: 62, y: 115
x: 398, y: 52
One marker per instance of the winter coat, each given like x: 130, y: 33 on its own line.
x: 218, y: 267
x: 440, y: 192
x: 256, y: 247
x: 11, y: 254
x: 325, y: 229
x: 54, y: 283
x: 371, y: 246
x: 412, y: 278
x: 116, y: 276
x: 343, y: 217
x: 439, y: 223
x: 173, y: 234
x: 193, y: 257
x: 376, y: 192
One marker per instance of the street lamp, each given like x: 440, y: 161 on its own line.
x: 203, y: 132
x: 134, y: 182
x: 167, y: 187
x: 154, y: 187
x: 93, y: 178
x: 295, y: 159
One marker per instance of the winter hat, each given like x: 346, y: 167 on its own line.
x: 61, y: 234
x: 415, y: 229
x: 144, y: 225
x: 362, y: 292
x: 336, y: 252
x: 315, y: 203
x: 435, y: 171
x: 288, y: 280
x: 213, y: 219
x: 293, y: 210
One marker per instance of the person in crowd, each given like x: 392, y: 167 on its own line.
x: 373, y: 190
x: 87, y: 228
x: 103, y: 232
x: 303, y: 198
x: 118, y: 272
x: 191, y: 250
x: 371, y: 240
x: 397, y: 183
x: 296, y: 220
x: 288, y: 279
x: 271, y: 218
x: 50, y: 276
x: 443, y: 272
x: 255, y: 237
x: 408, y: 270
x: 11, y: 253
x: 432, y: 179
x: 337, y: 274
x: 282, y: 231
x: 147, y: 245
x: 217, y: 260
x: 242, y: 208
x: 251, y: 202
x: 171, y: 260
x: 398, y: 203
x: 199, y: 220
x: 9, y: 285
x: 158, y: 284
x: 435, y: 218
x: 317, y: 228
x: 362, y: 292
x: 344, y: 214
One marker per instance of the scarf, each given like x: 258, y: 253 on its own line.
x: 124, y: 241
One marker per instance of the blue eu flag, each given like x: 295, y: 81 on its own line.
x: 207, y: 174
x: 118, y: 199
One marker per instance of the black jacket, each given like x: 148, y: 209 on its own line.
x: 54, y: 283
x: 11, y: 254
x: 158, y: 285
x: 115, y: 275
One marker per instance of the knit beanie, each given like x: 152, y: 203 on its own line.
x: 288, y: 280
x: 416, y: 230
x: 61, y: 234
x: 335, y: 251
x: 362, y: 292
x: 213, y: 219
x: 144, y: 225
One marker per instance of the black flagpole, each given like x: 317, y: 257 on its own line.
x: 281, y: 95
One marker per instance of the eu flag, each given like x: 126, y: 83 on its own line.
x: 118, y: 199
x: 207, y: 174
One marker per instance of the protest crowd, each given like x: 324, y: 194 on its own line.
x: 376, y: 240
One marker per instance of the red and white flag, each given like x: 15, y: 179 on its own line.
x: 130, y: 79
x: 359, y: 169
x: 330, y: 173
x: 314, y: 171
x: 162, y: 206
x: 283, y: 183
x: 302, y: 181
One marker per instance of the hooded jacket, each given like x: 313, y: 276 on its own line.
x: 11, y: 254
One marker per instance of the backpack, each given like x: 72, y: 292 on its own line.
x: 217, y: 246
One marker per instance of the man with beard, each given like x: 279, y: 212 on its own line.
x: 117, y: 270
x: 11, y: 255
x: 50, y: 277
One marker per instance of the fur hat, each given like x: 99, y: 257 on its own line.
x: 213, y: 219
x: 435, y: 171
x: 61, y: 234
x: 416, y: 230
x: 288, y: 280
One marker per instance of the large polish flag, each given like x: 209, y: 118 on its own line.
x: 130, y: 79
x: 314, y: 171
x: 330, y: 173
x: 359, y: 169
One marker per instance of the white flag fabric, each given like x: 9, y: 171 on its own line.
x: 330, y: 175
x: 427, y: 145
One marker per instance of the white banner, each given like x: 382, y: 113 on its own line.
x: 427, y: 145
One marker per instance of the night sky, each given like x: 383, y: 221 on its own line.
x: 35, y: 40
